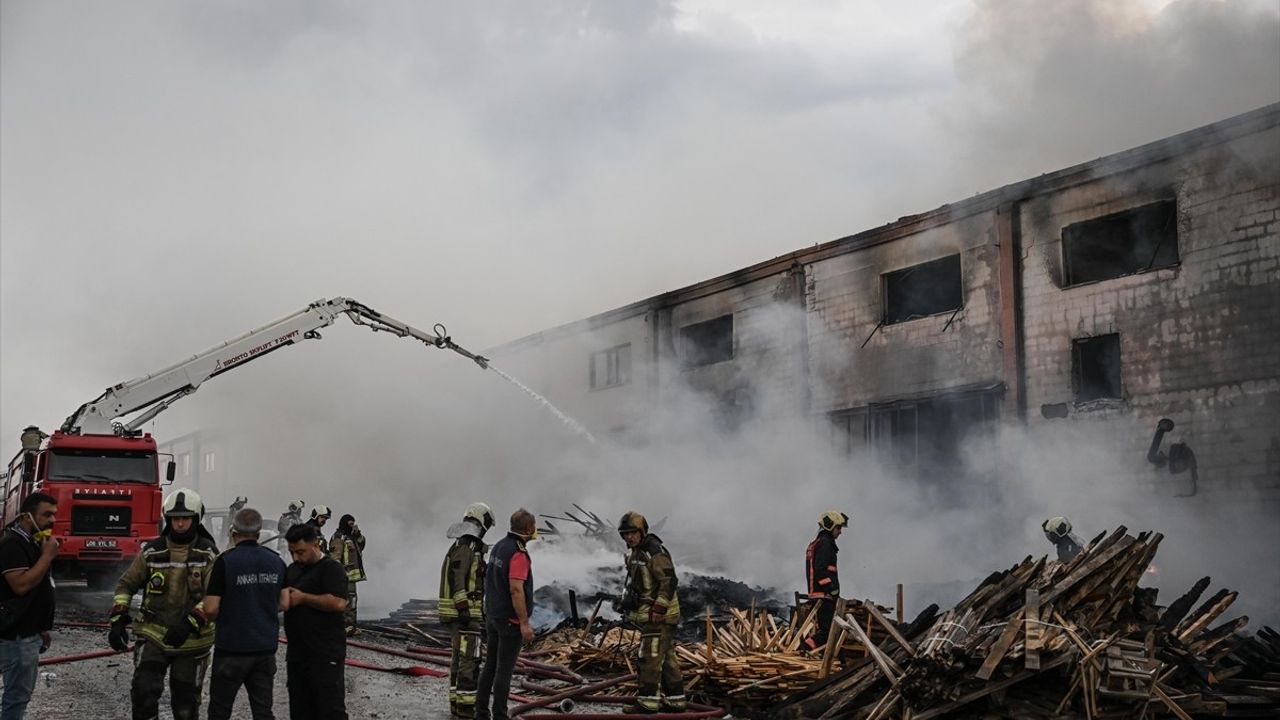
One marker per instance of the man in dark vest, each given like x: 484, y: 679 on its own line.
x: 246, y: 592
x: 508, y: 600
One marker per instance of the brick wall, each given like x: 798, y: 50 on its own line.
x: 845, y: 303
x: 1200, y: 342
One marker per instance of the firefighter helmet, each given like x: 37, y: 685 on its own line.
x: 183, y: 503
x: 297, y: 505
x: 832, y: 519
x: 321, y: 511
x: 481, y: 514
x: 1057, y: 527
x: 632, y: 521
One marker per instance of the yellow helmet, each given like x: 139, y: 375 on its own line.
x: 1058, y: 527
x: 632, y: 521
x: 832, y: 519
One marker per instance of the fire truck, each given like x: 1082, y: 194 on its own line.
x: 105, y: 472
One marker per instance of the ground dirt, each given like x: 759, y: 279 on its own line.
x: 98, y: 689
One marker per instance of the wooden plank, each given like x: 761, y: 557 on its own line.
x: 889, y: 628
x: 1169, y: 703
x: 898, y: 608
x: 886, y: 664
x: 1088, y: 568
x: 1033, y: 629
x: 1002, y: 646
x: 990, y: 688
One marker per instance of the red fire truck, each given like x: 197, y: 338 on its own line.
x: 105, y: 473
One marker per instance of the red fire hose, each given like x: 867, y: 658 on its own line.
x: 567, y: 694
x: 412, y: 670
x: 85, y: 656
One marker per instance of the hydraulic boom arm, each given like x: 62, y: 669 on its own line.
x: 156, y: 392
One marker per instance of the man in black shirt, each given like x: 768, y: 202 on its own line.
x: 315, y: 596
x: 26, y: 600
x: 246, y: 590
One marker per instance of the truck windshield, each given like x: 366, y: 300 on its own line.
x: 102, y: 466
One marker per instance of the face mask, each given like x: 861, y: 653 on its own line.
x: 39, y: 536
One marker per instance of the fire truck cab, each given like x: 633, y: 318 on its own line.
x: 108, y: 490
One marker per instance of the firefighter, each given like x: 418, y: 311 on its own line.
x: 461, y: 605
x: 821, y: 573
x: 347, y: 547
x: 1058, y: 530
x: 31, y: 438
x: 649, y: 599
x: 173, y: 633
x: 291, y: 517
x: 320, y: 515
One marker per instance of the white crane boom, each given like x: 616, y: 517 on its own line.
x: 157, y: 391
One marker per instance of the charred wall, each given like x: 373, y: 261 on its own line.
x: 1198, y: 339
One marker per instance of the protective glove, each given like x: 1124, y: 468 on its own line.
x: 464, y: 611
x: 179, y: 632
x: 118, y: 636
x: 629, y: 602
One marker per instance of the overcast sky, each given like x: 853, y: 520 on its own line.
x: 174, y: 173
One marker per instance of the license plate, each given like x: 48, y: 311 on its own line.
x: 89, y: 544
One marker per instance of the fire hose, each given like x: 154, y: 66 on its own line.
x: 83, y: 656
x: 411, y: 671
x: 695, y: 711
x: 569, y: 694
x: 524, y: 666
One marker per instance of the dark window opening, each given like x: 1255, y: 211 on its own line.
x: 925, y: 438
x: 920, y: 290
x: 1095, y: 365
x: 1122, y: 244
x: 707, y: 342
x: 611, y: 367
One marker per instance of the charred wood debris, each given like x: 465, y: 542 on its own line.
x: 1040, y: 640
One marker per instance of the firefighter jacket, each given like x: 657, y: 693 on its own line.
x: 820, y: 566
x: 650, y: 593
x: 349, y: 550
x: 462, y: 579
x: 320, y: 541
x: 173, y: 578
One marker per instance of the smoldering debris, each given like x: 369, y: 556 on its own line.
x: 1041, y: 639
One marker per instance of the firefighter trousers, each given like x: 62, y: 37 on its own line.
x: 186, y: 681
x: 349, y: 615
x: 660, y: 685
x: 464, y: 668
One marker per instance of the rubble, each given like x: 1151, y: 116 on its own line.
x: 1078, y: 639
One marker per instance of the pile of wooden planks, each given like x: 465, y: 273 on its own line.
x: 754, y: 659
x: 1047, y: 639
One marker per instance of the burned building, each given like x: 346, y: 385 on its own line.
x: 1139, y: 286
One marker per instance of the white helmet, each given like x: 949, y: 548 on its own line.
x: 1057, y: 527
x: 481, y: 514
x: 321, y: 511
x: 183, y: 503
x: 296, y: 506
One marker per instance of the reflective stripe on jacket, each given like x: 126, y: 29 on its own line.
x: 820, y: 566
x: 462, y: 578
x: 651, y: 579
x: 173, y: 578
x: 349, y: 550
